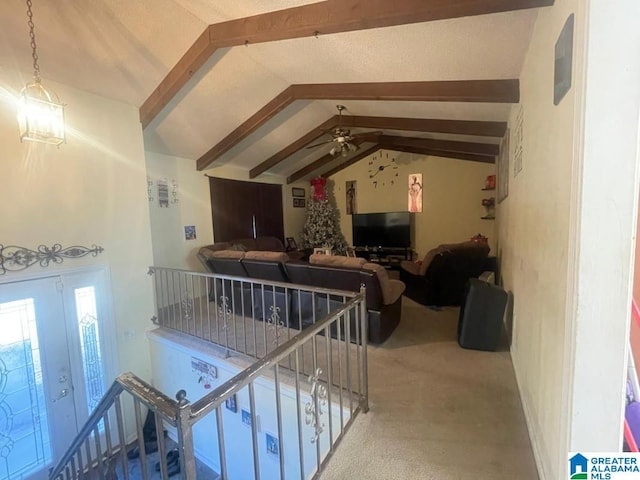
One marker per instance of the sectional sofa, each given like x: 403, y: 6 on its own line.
x: 383, y: 295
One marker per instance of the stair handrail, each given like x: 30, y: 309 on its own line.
x: 138, y: 388
x: 216, y: 397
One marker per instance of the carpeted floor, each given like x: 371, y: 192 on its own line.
x: 437, y: 411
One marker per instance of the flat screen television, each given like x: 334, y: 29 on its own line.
x: 391, y: 229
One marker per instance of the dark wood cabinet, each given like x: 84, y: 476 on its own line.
x: 245, y: 209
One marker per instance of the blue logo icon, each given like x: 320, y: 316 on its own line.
x: 578, y: 467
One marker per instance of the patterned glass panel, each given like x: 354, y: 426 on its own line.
x: 90, y: 344
x: 25, y: 446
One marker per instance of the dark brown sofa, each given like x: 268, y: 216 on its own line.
x: 383, y: 295
x: 441, y: 277
x: 260, y: 244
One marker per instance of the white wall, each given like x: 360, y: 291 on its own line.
x: 564, y: 242
x: 193, y: 207
x: 533, y: 238
x: 170, y: 249
x: 91, y: 190
x: 606, y: 213
x: 452, y: 196
x: 171, y: 359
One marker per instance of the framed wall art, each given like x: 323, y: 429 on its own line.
x: 563, y: 59
x: 503, y: 168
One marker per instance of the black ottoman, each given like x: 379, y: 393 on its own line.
x: 481, y: 314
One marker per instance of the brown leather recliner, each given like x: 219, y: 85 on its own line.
x: 441, y: 277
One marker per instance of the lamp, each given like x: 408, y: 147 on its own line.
x: 40, y: 113
x: 344, y: 148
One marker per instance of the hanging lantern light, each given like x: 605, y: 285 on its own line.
x: 40, y: 113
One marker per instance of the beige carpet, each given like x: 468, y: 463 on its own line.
x: 437, y: 411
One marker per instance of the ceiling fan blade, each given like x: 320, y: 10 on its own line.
x: 321, y: 143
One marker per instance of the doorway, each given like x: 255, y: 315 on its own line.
x: 53, y: 372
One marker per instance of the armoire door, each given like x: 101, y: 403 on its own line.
x: 268, y: 222
x: 245, y: 209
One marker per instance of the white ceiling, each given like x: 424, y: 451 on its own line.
x: 122, y: 49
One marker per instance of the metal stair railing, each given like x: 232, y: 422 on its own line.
x: 324, y: 363
x: 102, y: 441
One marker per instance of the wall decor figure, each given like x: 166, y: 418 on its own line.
x: 351, y: 189
x: 518, y: 138
x: 503, y: 168
x: 415, y: 193
x: 163, y: 193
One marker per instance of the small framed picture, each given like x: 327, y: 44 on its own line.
x: 246, y: 418
x: 190, y: 232
x: 273, y: 447
x: 322, y: 251
x: 291, y: 244
x: 298, y: 192
x: 299, y: 203
x: 231, y: 403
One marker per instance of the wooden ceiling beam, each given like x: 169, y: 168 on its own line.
x: 457, y: 127
x: 178, y: 76
x: 488, y: 149
x: 256, y: 120
x: 292, y: 148
x: 440, y: 153
x: 356, y: 158
x: 468, y: 90
x: 476, y: 152
x: 322, y: 18
x: 486, y: 91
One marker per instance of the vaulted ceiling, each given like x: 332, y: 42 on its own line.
x: 435, y: 76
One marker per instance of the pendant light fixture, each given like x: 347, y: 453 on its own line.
x: 40, y: 113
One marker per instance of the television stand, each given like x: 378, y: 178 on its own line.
x: 388, y: 257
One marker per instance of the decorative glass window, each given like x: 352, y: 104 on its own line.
x: 25, y: 445
x: 87, y: 317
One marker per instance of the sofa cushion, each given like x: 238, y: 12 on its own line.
x: 337, y: 261
x: 266, y: 256
x: 232, y: 254
x: 391, y: 289
x: 207, y: 250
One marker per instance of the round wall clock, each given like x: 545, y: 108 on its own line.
x: 382, y: 169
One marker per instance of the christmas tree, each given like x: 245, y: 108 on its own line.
x: 322, y: 228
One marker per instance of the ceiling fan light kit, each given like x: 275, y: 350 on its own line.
x: 345, y: 142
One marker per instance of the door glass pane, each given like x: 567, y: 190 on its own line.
x: 25, y: 446
x: 87, y: 317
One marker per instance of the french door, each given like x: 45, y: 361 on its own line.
x: 52, y: 368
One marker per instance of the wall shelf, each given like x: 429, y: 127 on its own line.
x: 487, y: 189
x: 487, y: 218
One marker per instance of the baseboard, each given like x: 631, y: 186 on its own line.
x: 534, y: 439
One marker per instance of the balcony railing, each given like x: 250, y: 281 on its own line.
x: 308, y: 352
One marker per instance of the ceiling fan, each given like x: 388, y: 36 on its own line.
x: 344, y: 141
